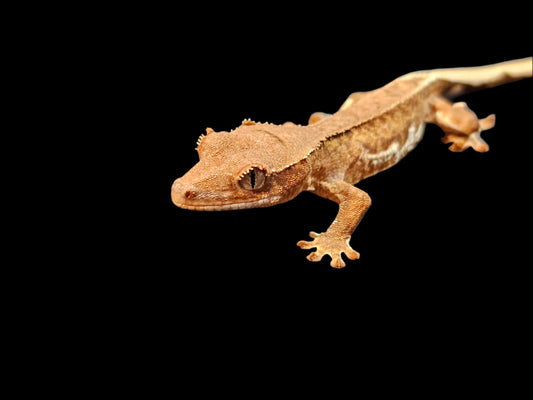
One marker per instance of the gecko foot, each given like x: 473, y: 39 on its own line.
x: 461, y: 125
x: 461, y: 142
x: 332, y: 245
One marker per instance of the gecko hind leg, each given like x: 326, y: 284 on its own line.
x: 318, y: 116
x: 350, y: 101
x: 461, y: 125
x: 314, y: 118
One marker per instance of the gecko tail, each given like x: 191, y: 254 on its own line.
x: 472, y: 78
x: 464, y: 80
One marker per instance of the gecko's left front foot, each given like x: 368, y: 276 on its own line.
x: 333, y: 245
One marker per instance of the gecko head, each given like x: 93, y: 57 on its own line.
x: 235, y: 172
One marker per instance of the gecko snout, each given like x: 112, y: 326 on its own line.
x: 181, y: 192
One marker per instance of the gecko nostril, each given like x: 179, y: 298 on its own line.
x: 182, y: 192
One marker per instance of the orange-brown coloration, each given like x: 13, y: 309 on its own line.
x: 260, y: 165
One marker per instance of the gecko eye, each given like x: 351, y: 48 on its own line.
x: 252, y: 179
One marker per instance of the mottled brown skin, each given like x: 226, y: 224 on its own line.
x: 260, y: 165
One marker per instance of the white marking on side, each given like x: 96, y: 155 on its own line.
x: 415, y: 135
x: 395, y: 152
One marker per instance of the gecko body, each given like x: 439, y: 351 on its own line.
x: 263, y: 164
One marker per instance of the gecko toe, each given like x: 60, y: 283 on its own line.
x: 305, y: 245
x: 352, y: 254
x: 337, y: 262
x: 315, y: 256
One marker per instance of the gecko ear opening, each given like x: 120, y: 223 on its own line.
x: 252, y: 178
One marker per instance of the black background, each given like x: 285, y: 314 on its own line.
x: 440, y: 222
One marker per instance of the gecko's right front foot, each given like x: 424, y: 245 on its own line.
x: 333, y: 245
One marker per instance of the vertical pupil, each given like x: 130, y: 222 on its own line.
x: 252, y: 179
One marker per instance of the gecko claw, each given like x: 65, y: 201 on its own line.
x: 332, y: 245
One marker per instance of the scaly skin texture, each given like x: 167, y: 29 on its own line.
x: 260, y: 165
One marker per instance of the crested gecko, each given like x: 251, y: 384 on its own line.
x: 262, y: 164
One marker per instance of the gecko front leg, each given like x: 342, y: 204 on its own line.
x: 353, y: 204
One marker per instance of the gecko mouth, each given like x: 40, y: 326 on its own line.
x: 230, y: 206
x: 185, y: 197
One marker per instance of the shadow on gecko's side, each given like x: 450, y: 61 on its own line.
x: 261, y: 165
